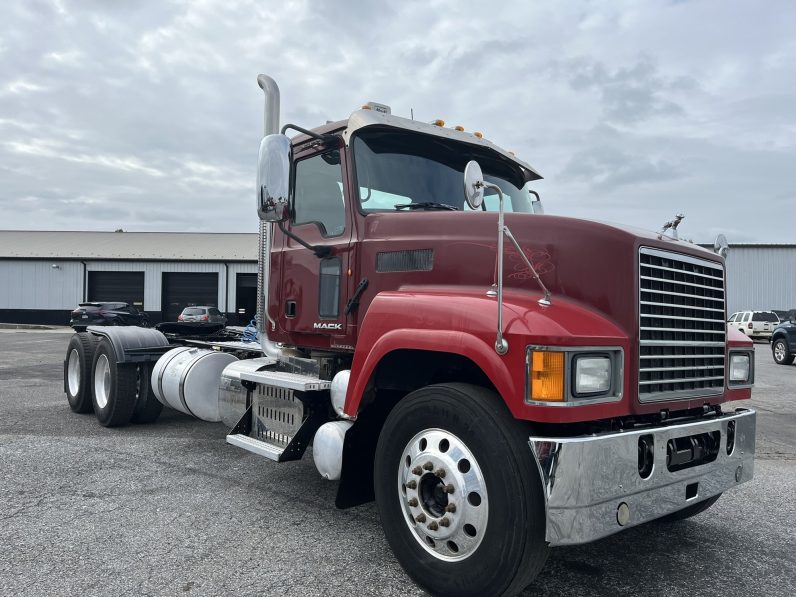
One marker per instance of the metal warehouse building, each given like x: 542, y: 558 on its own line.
x: 761, y: 277
x: 44, y: 275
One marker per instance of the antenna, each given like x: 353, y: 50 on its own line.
x: 412, y: 113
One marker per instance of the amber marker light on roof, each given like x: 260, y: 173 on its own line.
x: 459, y: 128
x: 546, y: 376
x: 366, y: 107
x: 438, y: 122
x: 478, y: 134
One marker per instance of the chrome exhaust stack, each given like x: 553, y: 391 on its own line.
x: 270, y: 127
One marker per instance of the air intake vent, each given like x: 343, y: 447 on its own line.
x: 682, y: 328
x: 420, y: 260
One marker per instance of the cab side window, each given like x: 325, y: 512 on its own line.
x: 318, y: 194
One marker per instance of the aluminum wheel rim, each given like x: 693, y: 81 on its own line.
x: 73, y: 372
x: 102, y: 381
x: 779, y: 351
x: 443, y: 495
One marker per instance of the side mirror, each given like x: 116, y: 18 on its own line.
x: 473, y: 185
x: 273, y: 178
x: 536, y: 204
x: 720, y: 246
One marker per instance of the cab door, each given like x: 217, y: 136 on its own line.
x: 315, y: 289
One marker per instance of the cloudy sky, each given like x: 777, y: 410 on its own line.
x: 147, y: 115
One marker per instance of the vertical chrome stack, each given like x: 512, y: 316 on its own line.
x: 270, y: 127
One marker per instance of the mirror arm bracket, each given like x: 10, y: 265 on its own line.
x: 320, y: 251
x: 325, y: 139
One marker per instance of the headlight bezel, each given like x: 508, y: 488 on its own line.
x: 572, y: 354
x: 750, y: 380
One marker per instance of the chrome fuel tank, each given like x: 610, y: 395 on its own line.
x: 188, y: 379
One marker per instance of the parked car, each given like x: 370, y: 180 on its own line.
x: 783, y: 343
x: 783, y: 315
x: 755, y: 324
x: 202, y: 314
x: 97, y: 313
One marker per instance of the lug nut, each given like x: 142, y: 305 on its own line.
x: 429, y: 466
x: 450, y: 508
x: 411, y: 484
x: 444, y: 522
x: 440, y: 473
x: 413, y: 502
x: 449, y: 488
x: 420, y: 517
x: 417, y: 471
x: 433, y: 526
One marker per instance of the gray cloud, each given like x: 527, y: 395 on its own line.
x: 146, y: 116
x: 628, y: 93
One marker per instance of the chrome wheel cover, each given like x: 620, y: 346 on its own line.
x: 73, y: 372
x: 443, y: 495
x: 779, y: 351
x: 102, y: 381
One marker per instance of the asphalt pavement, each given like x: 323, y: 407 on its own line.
x: 171, y: 509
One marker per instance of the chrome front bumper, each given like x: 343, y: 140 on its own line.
x: 587, y: 478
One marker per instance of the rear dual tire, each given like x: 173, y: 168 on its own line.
x: 121, y: 392
x: 77, y: 371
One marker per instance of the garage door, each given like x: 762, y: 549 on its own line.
x: 125, y: 287
x: 182, y: 290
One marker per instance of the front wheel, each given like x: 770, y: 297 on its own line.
x: 459, y: 493
x: 781, y: 352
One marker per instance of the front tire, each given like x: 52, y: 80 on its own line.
x: 781, y: 352
x: 114, y: 387
x: 459, y: 493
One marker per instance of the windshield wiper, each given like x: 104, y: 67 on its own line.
x: 426, y: 205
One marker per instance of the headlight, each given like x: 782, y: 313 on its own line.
x: 573, y: 375
x: 739, y: 367
x: 592, y: 375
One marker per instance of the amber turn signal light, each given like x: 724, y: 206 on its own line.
x: 546, y: 376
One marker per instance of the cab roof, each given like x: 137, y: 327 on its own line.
x: 365, y: 118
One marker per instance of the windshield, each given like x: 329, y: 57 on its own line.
x: 765, y: 316
x: 398, y: 167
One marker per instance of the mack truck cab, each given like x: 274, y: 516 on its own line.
x: 499, y: 380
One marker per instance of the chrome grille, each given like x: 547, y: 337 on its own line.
x: 682, y: 328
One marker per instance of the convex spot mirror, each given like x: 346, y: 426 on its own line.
x: 473, y: 185
x: 273, y: 178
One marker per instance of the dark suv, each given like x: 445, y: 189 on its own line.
x: 783, y: 341
x: 107, y: 314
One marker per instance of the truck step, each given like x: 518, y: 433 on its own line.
x: 255, y: 445
x: 285, y: 410
x: 289, y: 381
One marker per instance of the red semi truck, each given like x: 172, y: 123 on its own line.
x: 500, y: 381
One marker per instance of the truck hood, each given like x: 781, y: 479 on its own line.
x: 593, y: 263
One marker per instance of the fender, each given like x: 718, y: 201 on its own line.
x: 133, y: 344
x: 463, y: 322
